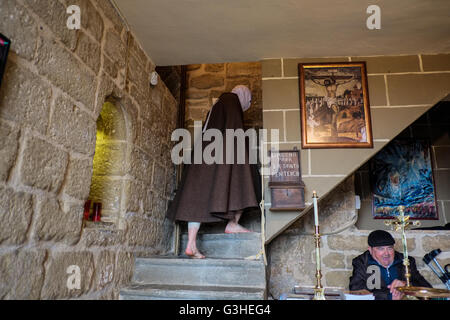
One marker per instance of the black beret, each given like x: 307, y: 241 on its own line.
x: 380, y: 238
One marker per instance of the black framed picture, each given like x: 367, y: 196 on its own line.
x: 402, y: 175
x: 5, y: 43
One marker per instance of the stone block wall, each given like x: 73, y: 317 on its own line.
x: 172, y: 77
x: 401, y: 89
x: 391, y: 109
x: 206, y: 82
x: 390, y: 79
x: 55, y: 85
x: 292, y: 254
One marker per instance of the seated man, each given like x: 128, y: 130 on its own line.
x: 380, y: 269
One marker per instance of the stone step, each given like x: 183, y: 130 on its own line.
x: 178, y: 292
x: 226, y: 273
x: 250, y: 220
x: 228, y: 246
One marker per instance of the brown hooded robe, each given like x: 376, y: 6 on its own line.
x: 213, y: 192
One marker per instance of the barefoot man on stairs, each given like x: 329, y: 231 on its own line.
x: 218, y: 191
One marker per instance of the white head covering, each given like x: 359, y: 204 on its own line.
x: 245, y: 96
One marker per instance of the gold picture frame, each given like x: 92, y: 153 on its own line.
x: 334, y: 105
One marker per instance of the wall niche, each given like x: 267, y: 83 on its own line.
x: 109, y: 164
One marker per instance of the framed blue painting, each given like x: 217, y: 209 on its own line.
x: 402, y: 175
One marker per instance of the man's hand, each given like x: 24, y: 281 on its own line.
x: 396, y: 295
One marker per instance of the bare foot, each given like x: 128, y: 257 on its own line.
x: 194, y: 254
x: 233, y: 227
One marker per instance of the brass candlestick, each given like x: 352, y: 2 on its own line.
x: 401, y: 223
x: 318, y: 290
x: 412, y: 293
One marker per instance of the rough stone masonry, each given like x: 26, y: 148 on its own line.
x: 53, y: 90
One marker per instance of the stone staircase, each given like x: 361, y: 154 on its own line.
x: 227, y: 246
x: 225, y: 274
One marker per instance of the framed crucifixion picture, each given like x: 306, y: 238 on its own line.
x: 334, y: 105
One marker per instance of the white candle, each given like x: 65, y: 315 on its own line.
x: 316, y: 211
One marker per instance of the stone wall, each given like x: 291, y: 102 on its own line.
x: 53, y: 91
x: 393, y: 107
x: 172, y: 77
x: 401, y: 89
x: 292, y: 254
x: 206, y: 82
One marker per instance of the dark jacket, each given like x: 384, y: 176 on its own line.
x: 358, y: 279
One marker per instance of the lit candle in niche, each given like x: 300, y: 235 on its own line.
x: 97, y: 211
x: 87, y: 209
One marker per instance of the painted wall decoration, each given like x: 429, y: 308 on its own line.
x: 402, y: 175
x: 334, y: 103
x: 5, y: 43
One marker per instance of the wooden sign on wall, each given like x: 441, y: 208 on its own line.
x: 285, y: 183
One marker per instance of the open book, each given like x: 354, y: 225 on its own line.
x: 358, y: 295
